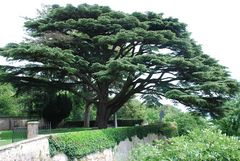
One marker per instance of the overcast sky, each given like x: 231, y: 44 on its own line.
x: 215, y: 24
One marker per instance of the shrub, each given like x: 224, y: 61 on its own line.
x: 205, y: 145
x: 152, y: 114
x: 79, y: 144
x: 186, y: 122
x: 134, y: 109
x: 230, y: 124
x: 169, y: 129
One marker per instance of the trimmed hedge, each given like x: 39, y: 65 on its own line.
x: 79, y: 144
x: 121, y: 123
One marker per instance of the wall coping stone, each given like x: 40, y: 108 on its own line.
x: 19, y: 143
x: 33, y: 122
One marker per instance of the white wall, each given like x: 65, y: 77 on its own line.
x: 36, y: 149
x: 118, y: 153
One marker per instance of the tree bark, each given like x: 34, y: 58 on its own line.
x: 102, y: 117
x: 105, y: 107
x: 115, y: 120
x: 103, y: 112
x: 87, y: 115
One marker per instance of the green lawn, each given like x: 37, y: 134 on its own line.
x: 6, y: 136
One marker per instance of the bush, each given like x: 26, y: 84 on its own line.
x: 79, y: 144
x: 169, y: 129
x: 205, y: 145
x: 186, y: 122
x: 230, y: 124
x: 152, y: 114
x: 134, y: 109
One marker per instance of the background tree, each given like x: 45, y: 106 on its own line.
x: 114, y: 56
x: 134, y: 109
x: 82, y: 111
x: 34, y: 100
x: 57, y: 108
x: 10, y: 104
x: 51, y: 105
x: 77, y: 110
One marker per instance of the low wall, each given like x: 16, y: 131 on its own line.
x: 118, y: 153
x: 36, y: 149
x: 9, y: 123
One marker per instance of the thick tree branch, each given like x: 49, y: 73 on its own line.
x: 123, y: 91
x: 88, y: 81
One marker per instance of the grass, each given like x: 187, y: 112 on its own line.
x: 6, y: 136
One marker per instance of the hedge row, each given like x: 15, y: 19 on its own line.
x: 79, y: 144
x: 121, y: 123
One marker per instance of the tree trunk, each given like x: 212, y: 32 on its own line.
x: 102, y: 123
x: 115, y: 120
x: 87, y: 115
x: 103, y: 112
x: 103, y: 115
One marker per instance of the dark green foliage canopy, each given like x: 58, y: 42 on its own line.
x: 57, y: 108
x: 116, y: 55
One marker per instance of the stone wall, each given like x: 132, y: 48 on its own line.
x: 9, y: 123
x: 121, y: 151
x: 118, y: 153
x: 36, y: 149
